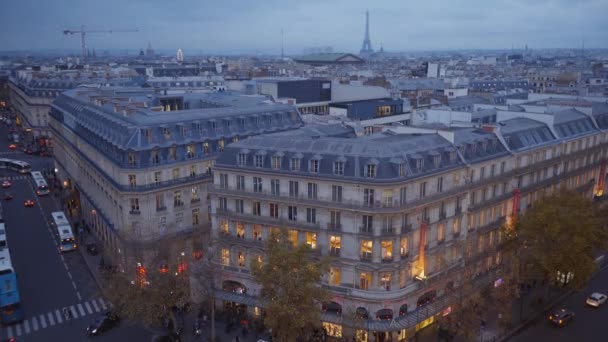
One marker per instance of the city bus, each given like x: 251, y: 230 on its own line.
x: 10, y: 301
x: 64, y: 230
x: 15, y: 165
x: 41, y: 187
x: 3, y: 242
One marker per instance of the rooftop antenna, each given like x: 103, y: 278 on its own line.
x: 282, y: 44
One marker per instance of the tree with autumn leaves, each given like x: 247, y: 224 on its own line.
x: 291, y: 291
x: 560, y: 235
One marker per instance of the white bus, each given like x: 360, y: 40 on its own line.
x: 3, y: 242
x: 41, y: 187
x: 64, y: 230
x: 15, y: 165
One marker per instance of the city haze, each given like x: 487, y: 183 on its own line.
x: 234, y: 26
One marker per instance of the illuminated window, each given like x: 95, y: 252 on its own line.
x: 365, y: 250
x: 194, y: 194
x: 172, y: 153
x: 387, y: 250
x: 133, y: 180
x: 257, y: 232
x: 440, y: 232
x: 241, y: 259
x: 311, y: 240
x: 193, y: 170
x: 385, y: 280
x: 334, y: 276
x: 225, y: 257
x: 365, y: 280
x: 224, y: 227
x: 220, y: 145
x: 334, y: 330
x: 240, y: 230
x: 403, y: 247
x: 293, y: 237
x: 206, y: 151
x: 335, y: 243
x: 190, y: 151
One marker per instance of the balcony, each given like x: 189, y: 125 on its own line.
x: 163, y: 208
x: 334, y: 226
x: 387, y: 232
x: 334, y: 252
x: 366, y: 230
x: 442, y: 215
x: 387, y: 259
x: 135, y: 212
x: 458, y: 210
x: 366, y: 257
x: 406, y: 228
x: 270, y: 221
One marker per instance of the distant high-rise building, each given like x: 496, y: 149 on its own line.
x: 180, y: 55
x: 366, y: 49
x: 149, y: 50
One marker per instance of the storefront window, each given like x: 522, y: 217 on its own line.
x: 361, y: 336
x: 333, y: 330
x: 293, y: 237
x: 311, y: 240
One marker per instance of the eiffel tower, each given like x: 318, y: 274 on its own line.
x: 366, y: 49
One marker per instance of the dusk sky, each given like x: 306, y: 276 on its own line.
x: 248, y: 26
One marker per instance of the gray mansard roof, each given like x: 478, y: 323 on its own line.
x: 420, y: 154
x: 133, y: 118
x: 524, y: 133
x: 570, y: 123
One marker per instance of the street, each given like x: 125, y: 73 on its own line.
x: 588, y: 324
x: 49, y: 280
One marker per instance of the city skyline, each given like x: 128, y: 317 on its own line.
x: 257, y: 27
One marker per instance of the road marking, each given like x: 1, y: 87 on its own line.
x: 42, y: 321
x: 35, y: 323
x: 95, y: 305
x: 51, y: 318
x: 86, y: 304
x: 18, y: 329
x: 9, y: 332
x: 74, y: 312
x: 103, y: 304
x: 26, y: 326
x: 78, y: 295
x: 66, y: 266
x: 74, y: 285
x: 70, y: 275
x: 58, y: 315
x: 80, y: 309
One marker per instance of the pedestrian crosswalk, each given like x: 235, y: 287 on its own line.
x: 55, y: 317
x: 14, y: 178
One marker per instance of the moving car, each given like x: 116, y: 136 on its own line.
x: 596, y: 299
x: 6, y: 184
x: 7, y: 196
x: 12, y: 146
x: 561, y: 317
x: 28, y: 203
x: 103, y: 324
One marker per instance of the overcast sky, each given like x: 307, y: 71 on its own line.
x: 255, y: 25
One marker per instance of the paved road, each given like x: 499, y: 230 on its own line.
x: 588, y: 325
x: 48, y: 279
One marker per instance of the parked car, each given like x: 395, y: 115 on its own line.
x: 106, y: 322
x: 596, y: 299
x: 561, y: 317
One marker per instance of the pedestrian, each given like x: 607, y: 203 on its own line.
x: 69, y: 313
x: 64, y: 311
x: 237, y: 339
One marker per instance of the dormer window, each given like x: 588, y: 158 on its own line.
x: 484, y: 146
x: 419, y: 164
x: 269, y: 120
x: 339, y: 168
x: 242, y: 159
x: 402, y: 170
x: 259, y: 160
x: 206, y: 147
x: 473, y: 148
x: 173, y: 153
x: 276, y: 162
x: 370, y: 170
x: 314, y: 166
x: 155, y: 157
x: 190, y: 151
x: 494, y: 144
x: 131, y: 160
x: 294, y: 164
x: 452, y: 156
x: 148, y: 134
x: 436, y: 160
x: 220, y: 145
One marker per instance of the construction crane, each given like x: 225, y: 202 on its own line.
x: 83, y: 32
